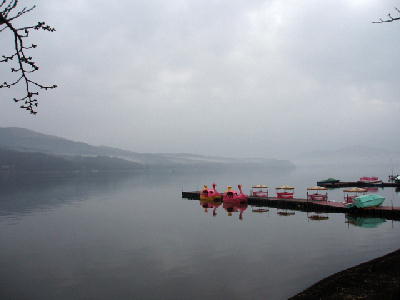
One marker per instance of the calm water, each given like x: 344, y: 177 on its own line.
x: 116, y: 237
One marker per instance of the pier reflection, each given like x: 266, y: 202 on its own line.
x: 238, y: 207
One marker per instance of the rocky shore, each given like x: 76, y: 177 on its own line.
x: 376, y: 279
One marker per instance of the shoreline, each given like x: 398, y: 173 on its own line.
x: 378, y: 278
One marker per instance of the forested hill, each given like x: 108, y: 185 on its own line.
x: 24, y: 140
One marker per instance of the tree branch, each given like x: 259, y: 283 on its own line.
x: 26, y: 64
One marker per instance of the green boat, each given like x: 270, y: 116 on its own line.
x: 363, y: 201
x: 328, y: 181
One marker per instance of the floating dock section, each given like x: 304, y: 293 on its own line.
x: 387, y: 212
x: 341, y: 184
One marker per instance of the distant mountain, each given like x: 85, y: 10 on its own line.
x: 16, y: 161
x: 24, y: 140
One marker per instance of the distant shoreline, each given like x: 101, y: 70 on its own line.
x: 378, y: 278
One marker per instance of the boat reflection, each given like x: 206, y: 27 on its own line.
x: 364, y: 222
x: 317, y: 216
x: 235, y: 206
x: 257, y: 209
x: 210, y: 204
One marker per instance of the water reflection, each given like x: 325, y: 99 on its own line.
x: 259, y: 209
x: 365, y: 222
x: 25, y: 193
x: 285, y: 213
x: 235, y: 206
x: 210, y: 204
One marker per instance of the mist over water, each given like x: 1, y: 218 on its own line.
x: 110, y: 237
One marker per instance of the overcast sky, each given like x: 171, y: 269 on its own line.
x: 219, y: 77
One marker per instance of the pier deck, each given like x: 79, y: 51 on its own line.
x: 387, y: 212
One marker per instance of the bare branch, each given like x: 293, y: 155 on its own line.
x: 20, y: 13
x: 389, y: 19
x: 2, y: 3
x: 26, y: 64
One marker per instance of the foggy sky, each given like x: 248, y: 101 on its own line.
x: 217, y: 77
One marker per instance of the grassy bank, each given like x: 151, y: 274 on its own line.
x: 375, y: 279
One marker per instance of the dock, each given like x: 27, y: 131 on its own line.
x: 300, y: 204
x: 342, y: 184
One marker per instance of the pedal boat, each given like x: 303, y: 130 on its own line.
x: 370, y: 180
x: 232, y: 195
x: 350, y: 194
x: 285, y: 192
x: 317, y: 195
x: 210, y: 194
x: 259, y: 190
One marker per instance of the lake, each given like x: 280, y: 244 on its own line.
x: 133, y: 237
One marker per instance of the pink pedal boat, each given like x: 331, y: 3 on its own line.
x: 232, y: 195
x: 210, y: 194
x: 370, y: 180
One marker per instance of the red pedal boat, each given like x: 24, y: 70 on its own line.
x: 232, y: 195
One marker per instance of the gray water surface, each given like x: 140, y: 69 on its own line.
x: 134, y: 237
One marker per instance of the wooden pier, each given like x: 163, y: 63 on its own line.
x: 387, y: 212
